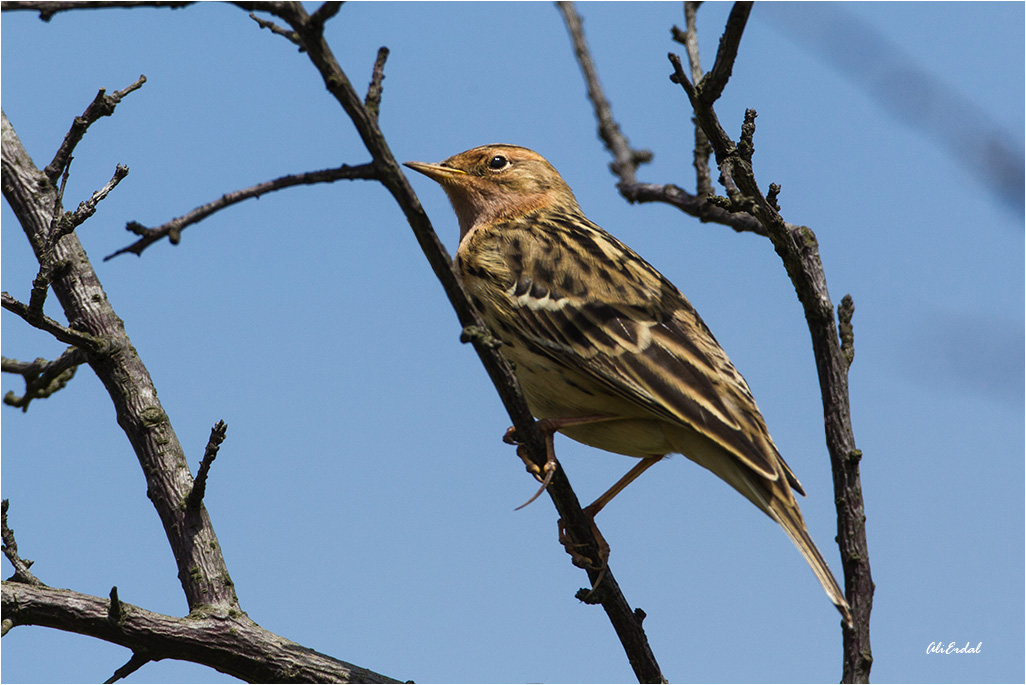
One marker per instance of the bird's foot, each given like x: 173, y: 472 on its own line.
x: 542, y: 474
x: 596, y: 570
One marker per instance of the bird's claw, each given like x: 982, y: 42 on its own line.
x: 581, y: 561
x: 548, y: 470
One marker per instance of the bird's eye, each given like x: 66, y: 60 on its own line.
x: 498, y: 162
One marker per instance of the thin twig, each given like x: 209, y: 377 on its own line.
x: 291, y: 36
x: 372, y: 102
x: 699, y: 207
x: 10, y: 549
x: 102, y: 106
x: 172, y: 230
x: 131, y: 666
x: 689, y: 38
x: 67, y: 222
x: 199, y: 487
x: 626, y: 159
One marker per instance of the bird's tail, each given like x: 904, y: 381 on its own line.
x: 773, y: 496
x: 790, y: 519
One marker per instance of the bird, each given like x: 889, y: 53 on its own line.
x: 605, y: 348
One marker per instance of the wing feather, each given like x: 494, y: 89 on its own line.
x: 636, y: 335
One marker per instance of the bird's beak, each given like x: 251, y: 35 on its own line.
x: 436, y: 172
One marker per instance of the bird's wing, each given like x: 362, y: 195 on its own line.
x: 600, y: 309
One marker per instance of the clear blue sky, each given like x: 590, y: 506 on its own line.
x: 364, y: 499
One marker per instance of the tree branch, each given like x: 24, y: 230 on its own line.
x: 48, y: 9
x: 626, y: 159
x: 102, y: 106
x: 21, y: 566
x: 797, y: 248
x: 578, y: 527
x: 217, y: 632
x: 231, y: 643
x: 172, y: 230
x: 33, y: 197
x: 217, y: 434
x: 42, y: 378
x: 66, y: 335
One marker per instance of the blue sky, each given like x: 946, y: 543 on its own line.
x: 363, y: 497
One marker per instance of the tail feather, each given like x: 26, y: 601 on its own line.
x: 790, y: 519
x: 772, y: 496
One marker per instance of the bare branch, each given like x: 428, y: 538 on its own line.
x: 131, y: 666
x: 48, y: 9
x: 291, y: 36
x: 21, y: 566
x: 689, y: 37
x: 715, y: 81
x: 42, y: 378
x: 372, y: 102
x: 227, y: 641
x: 626, y: 159
x: 798, y: 250
x: 172, y: 230
x: 577, y: 525
x: 201, y: 568
x: 68, y: 336
x: 217, y: 434
x: 69, y: 221
x: 102, y: 106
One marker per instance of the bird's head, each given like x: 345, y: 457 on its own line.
x: 498, y: 182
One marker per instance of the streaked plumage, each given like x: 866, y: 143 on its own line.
x: 593, y: 329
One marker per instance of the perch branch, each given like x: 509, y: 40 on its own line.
x: 621, y: 615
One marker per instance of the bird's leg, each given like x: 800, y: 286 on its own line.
x: 591, y: 511
x: 548, y: 428
x: 595, y: 507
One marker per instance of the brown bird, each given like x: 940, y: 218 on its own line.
x: 606, y: 349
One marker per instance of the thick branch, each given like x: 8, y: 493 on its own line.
x: 33, y: 198
x: 227, y: 641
